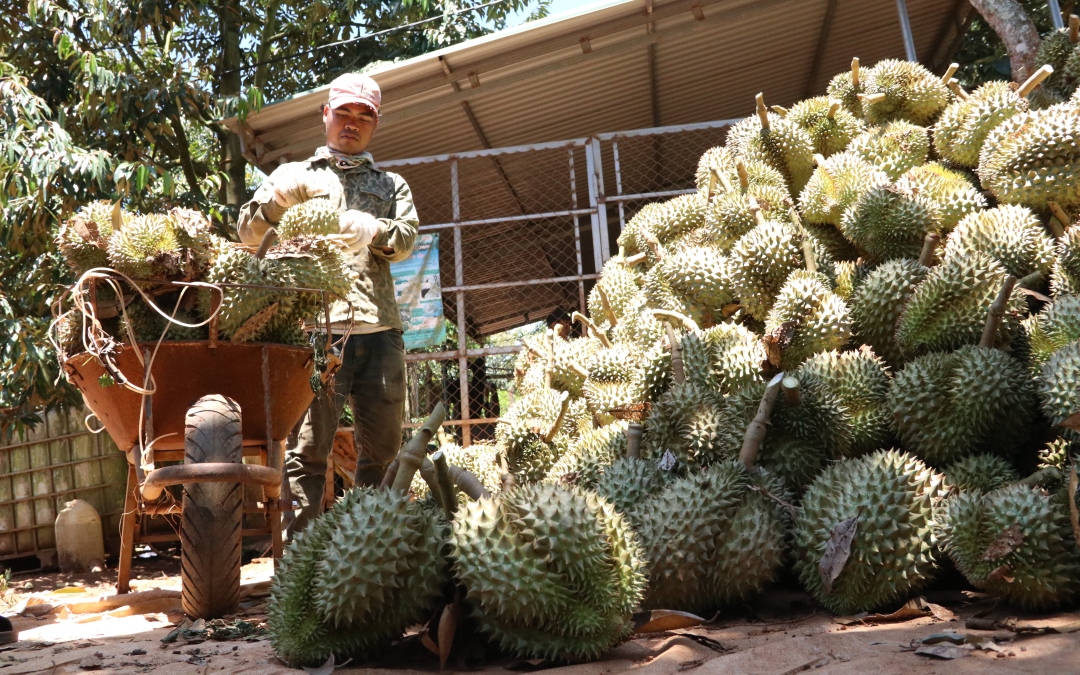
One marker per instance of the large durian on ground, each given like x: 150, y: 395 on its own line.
x: 878, y: 302
x: 981, y: 473
x: 355, y: 578
x: 948, y: 308
x: 890, y: 221
x: 909, y: 92
x: 693, y: 424
x: 1033, y: 158
x: 951, y: 404
x: 590, y: 456
x: 892, y: 497
x: 860, y: 381
x: 760, y: 262
x: 1055, y: 326
x: 1059, y: 386
x: 552, y: 571
x: 1015, y: 542
x: 1010, y: 234
x: 817, y: 318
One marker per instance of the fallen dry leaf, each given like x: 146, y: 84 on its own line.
x: 837, y: 551
x: 660, y: 620
x: 944, y: 651
x: 1003, y: 545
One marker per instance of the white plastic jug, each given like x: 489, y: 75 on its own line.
x: 79, y: 542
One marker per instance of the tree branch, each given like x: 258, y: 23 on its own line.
x: 184, y: 151
x: 1016, y: 30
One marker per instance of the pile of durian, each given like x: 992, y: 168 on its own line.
x: 854, y: 347
x: 138, y: 250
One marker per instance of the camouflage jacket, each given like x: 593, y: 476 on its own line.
x: 383, y: 194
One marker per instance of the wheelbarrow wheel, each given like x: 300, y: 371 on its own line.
x: 211, y: 521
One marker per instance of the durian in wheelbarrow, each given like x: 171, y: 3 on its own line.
x: 146, y: 247
x: 83, y: 238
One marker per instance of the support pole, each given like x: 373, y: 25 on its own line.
x: 905, y: 30
x: 1055, y: 14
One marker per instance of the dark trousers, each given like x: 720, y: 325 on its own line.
x: 372, y: 380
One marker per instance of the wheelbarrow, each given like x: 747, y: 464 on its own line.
x: 214, y: 403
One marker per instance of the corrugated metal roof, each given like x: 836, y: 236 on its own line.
x: 537, y: 83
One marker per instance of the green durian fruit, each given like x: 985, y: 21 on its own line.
x: 837, y: 183
x: 860, y: 381
x: 730, y: 216
x: 1065, y: 276
x: 1009, y: 234
x: 655, y: 375
x: 1059, y: 386
x: 948, y: 308
x: 848, y: 275
x: 590, y: 456
x: 286, y: 330
x: 69, y: 329
x: 912, y: 93
x: 612, y: 381
x: 314, y: 263
x: 148, y: 325
x: 737, y: 355
x: 676, y: 217
x: 948, y: 405
x: 830, y: 245
x: 482, y: 459
x: 781, y: 144
x: 1056, y: 50
x: 1055, y: 326
x: 693, y: 424
x: 759, y: 263
x: 892, y: 496
x: 620, y: 285
x: 681, y: 551
x: 553, y: 571
x: 638, y: 330
x: 846, y: 87
x: 381, y: 569
x: 534, y: 433
x: 716, y: 158
x: 890, y: 222
x: 95, y: 220
x: 194, y: 233
x: 879, y: 300
x: 951, y: 191
x: 721, y: 159
x: 962, y: 130
x: 146, y: 248
x: 829, y: 125
x: 1014, y: 542
x: 692, y: 281
x: 981, y: 473
x: 893, y: 148
x: 628, y: 482
x: 1033, y: 158
x: 314, y: 217
x: 233, y: 264
x: 821, y: 320
x: 631, y: 240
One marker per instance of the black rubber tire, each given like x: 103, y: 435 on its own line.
x: 211, y: 522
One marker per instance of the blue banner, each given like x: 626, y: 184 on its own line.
x: 419, y: 294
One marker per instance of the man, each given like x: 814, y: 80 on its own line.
x: 379, y: 225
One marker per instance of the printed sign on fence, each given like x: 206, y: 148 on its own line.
x: 419, y: 294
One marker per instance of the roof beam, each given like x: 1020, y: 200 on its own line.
x: 957, y: 24
x: 579, y: 58
x: 819, y: 51
x: 654, y: 102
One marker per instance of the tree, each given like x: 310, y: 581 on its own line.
x: 122, y: 99
x: 1002, y: 40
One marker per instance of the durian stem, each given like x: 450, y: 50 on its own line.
x: 779, y: 110
x: 549, y: 365
x: 834, y: 107
x: 564, y: 404
x: 711, y: 187
x: 668, y: 315
x: 412, y: 454
x: 871, y: 99
x: 953, y: 67
x: 634, y: 260
x: 1061, y: 217
x: 792, y: 392
x: 930, y: 244
x: 1044, y: 476
x: 605, y: 304
x: 467, y: 482
x: 578, y: 369
x: 633, y: 439
x: 722, y: 177
x: 997, y: 313
x: 593, y: 330
x: 117, y: 216
x: 1030, y: 280
x: 389, y: 476
x: 755, y: 431
x: 755, y: 209
x: 855, y: 72
x: 447, y: 492
x: 762, y: 111
x: 653, y: 243
x: 508, y: 481
x: 954, y: 84
x: 819, y: 160
x: 677, y: 372
x: 268, y: 239
x: 1036, y: 78
x: 809, y: 259
x: 1074, y: 28
x: 744, y: 177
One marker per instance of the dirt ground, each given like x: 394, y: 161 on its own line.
x: 783, y: 633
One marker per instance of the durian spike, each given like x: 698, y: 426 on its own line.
x: 834, y: 107
x: 953, y: 67
x: 412, y: 454
x: 634, y: 433
x: 1061, y: 217
x: 807, y: 246
x: 855, y: 71
x: 1036, y: 78
x: 593, y: 330
x: 755, y: 431
x: 755, y: 209
x: 930, y: 244
x: 997, y: 313
x: 870, y: 99
x: 779, y: 110
x: 549, y: 364
x: 389, y: 476
x: 564, y: 403
x: 467, y: 482
x: 744, y: 177
x: 606, y: 305
x: 269, y: 237
x: 954, y: 84
x: 792, y: 392
x: 1074, y: 28
x: 668, y: 315
x: 762, y: 111
x: 1074, y: 512
x: 677, y: 372
x: 634, y: 260
x: 819, y: 160
x: 447, y: 491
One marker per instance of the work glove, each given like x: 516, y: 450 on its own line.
x: 358, y: 229
x: 296, y: 190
